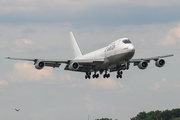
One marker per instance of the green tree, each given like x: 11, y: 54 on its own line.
x: 175, y: 112
x: 159, y: 115
x: 141, y: 115
x: 177, y: 118
x: 166, y: 115
x: 103, y: 119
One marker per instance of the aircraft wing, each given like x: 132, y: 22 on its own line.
x: 21, y: 59
x: 35, y: 60
x: 49, y: 63
x: 148, y: 59
x: 57, y: 62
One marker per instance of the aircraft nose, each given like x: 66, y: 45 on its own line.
x: 131, y: 48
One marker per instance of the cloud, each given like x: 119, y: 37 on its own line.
x: 23, y: 42
x: 83, y: 13
x: 16, y: 6
x: 29, y: 30
x: 172, y: 38
x: 12, y: 6
x: 164, y: 85
x: 100, y: 83
x: 109, y: 84
x: 24, y: 71
x: 88, y: 99
x: 91, y: 104
x: 26, y: 45
x: 159, y: 85
x: 3, y: 82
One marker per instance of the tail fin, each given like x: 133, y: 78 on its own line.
x: 74, y: 46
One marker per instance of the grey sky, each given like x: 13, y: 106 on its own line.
x: 84, y: 14
x: 40, y: 28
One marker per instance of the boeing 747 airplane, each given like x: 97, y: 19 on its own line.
x: 115, y: 57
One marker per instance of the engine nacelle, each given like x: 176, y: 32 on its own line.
x: 160, y: 63
x: 39, y: 65
x: 143, y: 65
x: 73, y: 66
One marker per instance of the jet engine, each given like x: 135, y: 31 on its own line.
x: 39, y: 65
x: 143, y: 65
x: 73, y: 66
x: 160, y: 63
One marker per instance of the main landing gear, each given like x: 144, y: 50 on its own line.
x: 106, y: 75
x: 88, y: 75
x: 119, y: 74
x: 95, y: 75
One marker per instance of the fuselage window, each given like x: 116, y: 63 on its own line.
x: 126, y: 41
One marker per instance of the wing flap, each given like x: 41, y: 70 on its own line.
x: 52, y: 64
x: 89, y: 61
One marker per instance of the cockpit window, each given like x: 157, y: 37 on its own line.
x: 126, y: 41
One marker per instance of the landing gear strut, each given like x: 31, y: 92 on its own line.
x: 106, y: 75
x: 88, y: 75
x: 119, y: 74
x: 126, y: 65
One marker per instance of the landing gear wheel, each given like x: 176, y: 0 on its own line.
x: 88, y: 75
x: 120, y: 76
x: 97, y: 75
x: 117, y: 76
x: 108, y: 75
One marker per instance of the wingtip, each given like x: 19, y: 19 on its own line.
x: 170, y: 55
x: 7, y: 58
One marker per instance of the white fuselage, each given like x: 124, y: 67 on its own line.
x: 114, y: 54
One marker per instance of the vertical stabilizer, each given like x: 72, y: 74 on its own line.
x: 74, y: 46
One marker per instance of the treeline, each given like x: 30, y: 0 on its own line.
x: 104, y: 119
x: 173, y: 114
